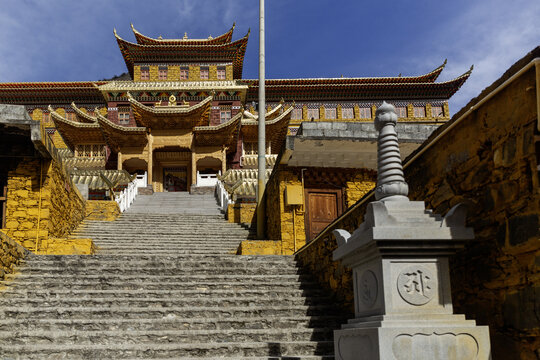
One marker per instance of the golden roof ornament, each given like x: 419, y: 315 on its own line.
x: 160, y: 37
x: 172, y: 100
x: 185, y: 36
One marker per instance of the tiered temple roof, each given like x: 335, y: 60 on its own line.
x: 276, y: 127
x: 75, y: 133
x: 414, y: 87
x: 171, y: 117
x: 81, y: 116
x: 233, y: 52
x: 119, y: 136
x: 218, y: 40
x: 45, y: 93
x: 225, y: 134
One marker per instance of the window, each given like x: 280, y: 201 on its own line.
x: 347, y: 113
x: 145, y: 73
x: 204, y: 73
x: 419, y: 111
x: 252, y: 148
x: 123, y: 118
x: 330, y: 113
x: 365, y: 113
x: 162, y: 73
x: 70, y: 116
x: 296, y: 114
x: 437, y: 111
x: 313, y: 114
x: 221, y: 73
x: 90, y: 151
x: 401, y: 111
x: 184, y: 73
x: 224, y: 116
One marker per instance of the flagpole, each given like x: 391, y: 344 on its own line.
x: 261, y: 151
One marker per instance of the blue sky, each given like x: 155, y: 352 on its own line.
x: 65, y: 40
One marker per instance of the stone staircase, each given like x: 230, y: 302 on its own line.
x: 165, y: 284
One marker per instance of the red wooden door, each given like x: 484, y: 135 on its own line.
x: 323, y: 206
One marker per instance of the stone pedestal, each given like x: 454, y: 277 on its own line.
x: 403, y: 305
x: 399, y: 257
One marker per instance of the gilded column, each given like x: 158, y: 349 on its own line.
x: 119, y: 160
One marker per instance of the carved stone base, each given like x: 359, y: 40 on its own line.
x: 413, y: 343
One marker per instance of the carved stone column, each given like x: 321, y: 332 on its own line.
x: 399, y: 257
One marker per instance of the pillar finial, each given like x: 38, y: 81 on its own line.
x: 391, y: 183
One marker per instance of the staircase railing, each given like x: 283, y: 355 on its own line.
x: 127, y: 196
x: 223, y: 196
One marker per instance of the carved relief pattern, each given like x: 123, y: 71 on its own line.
x: 368, y: 288
x: 416, y: 285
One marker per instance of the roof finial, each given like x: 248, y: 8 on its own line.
x: 185, y: 36
x: 210, y: 37
x: 160, y: 37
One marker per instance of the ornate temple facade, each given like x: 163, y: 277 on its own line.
x: 186, y: 114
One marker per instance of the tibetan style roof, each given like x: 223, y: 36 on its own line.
x: 231, y: 176
x: 146, y: 40
x: 101, y: 179
x: 171, y: 117
x: 82, y: 116
x: 75, y: 133
x: 226, y: 133
x: 230, y: 52
x: 421, y: 87
x: 119, y: 136
x: 253, y: 160
x: 276, y: 129
x: 72, y: 163
x: 33, y: 93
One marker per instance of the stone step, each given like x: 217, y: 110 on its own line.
x: 223, y: 279
x: 152, y: 270
x: 160, y: 350
x: 141, y: 260
x: 215, y: 301
x: 24, y: 293
x: 108, y: 337
x: 172, y: 323
x: 152, y: 284
x: 132, y: 312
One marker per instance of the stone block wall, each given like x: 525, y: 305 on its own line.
x: 242, y: 213
x: 283, y: 221
x: 101, y: 210
x: 487, y: 161
x: 60, y: 210
x: 11, y: 254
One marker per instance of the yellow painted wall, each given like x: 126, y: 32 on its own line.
x: 11, y: 254
x: 242, y: 213
x: 61, y: 208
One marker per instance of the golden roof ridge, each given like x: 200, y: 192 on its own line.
x: 226, y: 37
x: 72, y: 123
x: 277, y: 119
x: 82, y: 115
x: 235, y: 118
x: 103, y: 120
x: 168, y: 109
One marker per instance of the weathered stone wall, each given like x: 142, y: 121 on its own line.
x: 102, y: 210
x: 11, y: 254
x: 488, y: 162
x: 288, y: 222
x: 60, y: 210
x: 242, y: 213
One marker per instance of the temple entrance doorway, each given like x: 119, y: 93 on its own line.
x: 175, y: 179
x: 322, y: 207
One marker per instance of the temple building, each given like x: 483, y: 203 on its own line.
x: 187, y: 115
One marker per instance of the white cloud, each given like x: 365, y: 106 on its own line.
x: 492, y: 35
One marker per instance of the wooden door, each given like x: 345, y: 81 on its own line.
x: 323, y: 206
